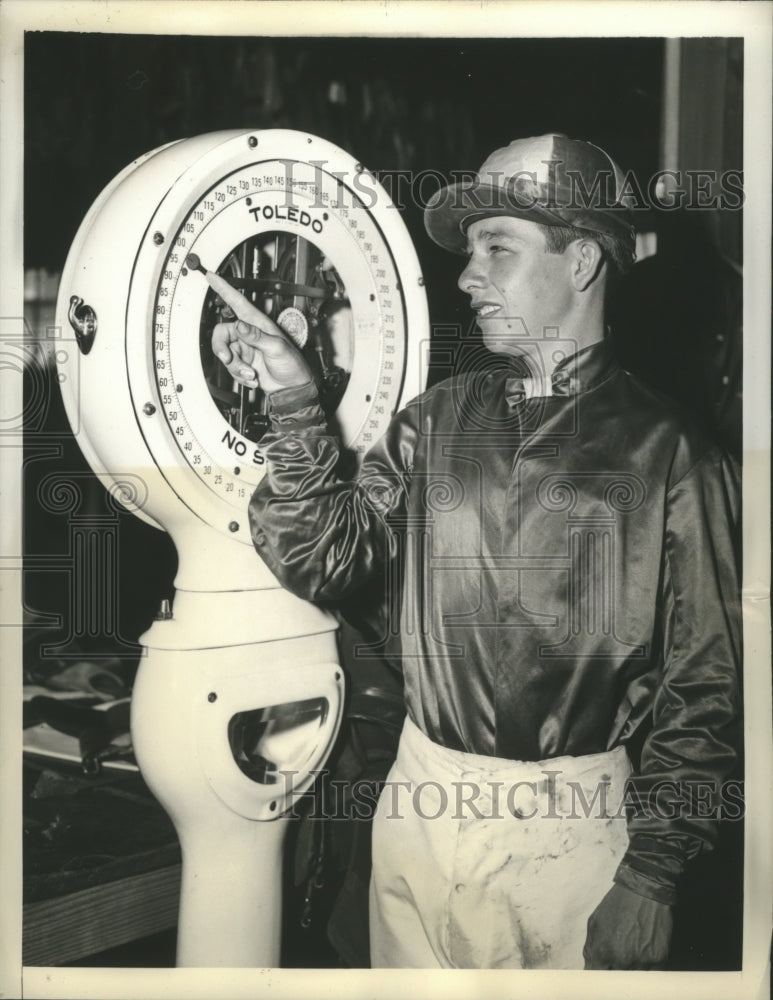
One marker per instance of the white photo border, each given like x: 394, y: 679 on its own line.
x: 492, y: 18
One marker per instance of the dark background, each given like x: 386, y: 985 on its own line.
x: 95, y: 102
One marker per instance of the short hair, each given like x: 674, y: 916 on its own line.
x: 558, y: 238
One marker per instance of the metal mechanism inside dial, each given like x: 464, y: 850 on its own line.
x: 290, y: 279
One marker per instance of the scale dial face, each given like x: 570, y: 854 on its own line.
x: 304, y: 240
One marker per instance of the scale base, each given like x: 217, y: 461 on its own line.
x: 228, y: 738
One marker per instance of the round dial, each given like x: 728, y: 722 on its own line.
x: 310, y: 241
x: 281, y: 246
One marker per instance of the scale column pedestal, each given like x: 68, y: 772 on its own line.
x: 227, y: 739
x: 231, y: 892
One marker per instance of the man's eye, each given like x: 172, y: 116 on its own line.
x: 496, y: 248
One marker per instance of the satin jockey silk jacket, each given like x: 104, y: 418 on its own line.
x: 554, y: 570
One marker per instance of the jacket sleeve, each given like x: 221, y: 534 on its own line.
x: 675, y: 799
x: 323, y: 536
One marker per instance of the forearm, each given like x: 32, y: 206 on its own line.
x: 322, y: 537
x: 677, y: 798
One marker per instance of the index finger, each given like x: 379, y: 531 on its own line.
x: 240, y: 304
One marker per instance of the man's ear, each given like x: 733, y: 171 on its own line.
x: 587, y: 262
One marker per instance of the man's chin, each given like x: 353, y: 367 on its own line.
x: 500, y: 341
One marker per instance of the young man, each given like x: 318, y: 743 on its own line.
x: 560, y: 540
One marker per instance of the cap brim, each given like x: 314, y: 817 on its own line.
x: 452, y: 209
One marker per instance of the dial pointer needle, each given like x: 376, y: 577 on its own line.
x: 232, y: 297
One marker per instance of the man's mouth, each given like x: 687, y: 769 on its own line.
x: 486, y: 309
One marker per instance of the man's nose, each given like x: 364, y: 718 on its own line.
x: 472, y: 277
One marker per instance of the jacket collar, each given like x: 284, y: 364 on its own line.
x: 581, y: 371
x: 575, y: 374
